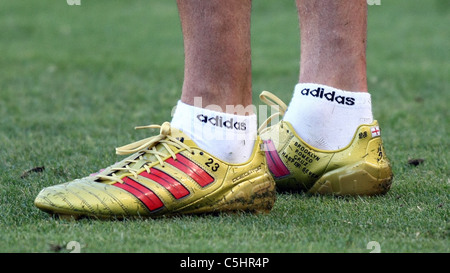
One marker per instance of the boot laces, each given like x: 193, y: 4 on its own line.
x: 143, y: 147
x: 274, y: 102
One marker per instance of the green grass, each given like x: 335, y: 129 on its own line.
x: 74, y: 81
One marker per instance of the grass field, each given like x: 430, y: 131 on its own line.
x: 75, y: 80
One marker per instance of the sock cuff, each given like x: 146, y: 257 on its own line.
x: 327, y: 117
x: 212, y: 119
x: 228, y: 137
x: 205, y: 125
x: 325, y: 93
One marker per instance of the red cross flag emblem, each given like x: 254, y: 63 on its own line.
x: 375, y: 130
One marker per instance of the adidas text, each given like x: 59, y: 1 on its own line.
x: 330, y: 96
x: 219, y: 122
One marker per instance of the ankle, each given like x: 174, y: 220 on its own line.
x: 228, y: 137
x: 326, y: 117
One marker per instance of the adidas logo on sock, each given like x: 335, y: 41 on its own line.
x: 218, y: 121
x: 330, y: 96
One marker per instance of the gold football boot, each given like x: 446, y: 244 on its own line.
x: 167, y: 174
x: 361, y: 168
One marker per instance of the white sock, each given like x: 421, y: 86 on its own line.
x: 326, y: 117
x: 226, y: 136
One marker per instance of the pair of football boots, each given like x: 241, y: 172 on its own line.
x: 168, y: 174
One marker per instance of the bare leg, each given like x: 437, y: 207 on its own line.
x: 331, y: 99
x: 333, y: 43
x: 217, y: 51
x: 217, y: 70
